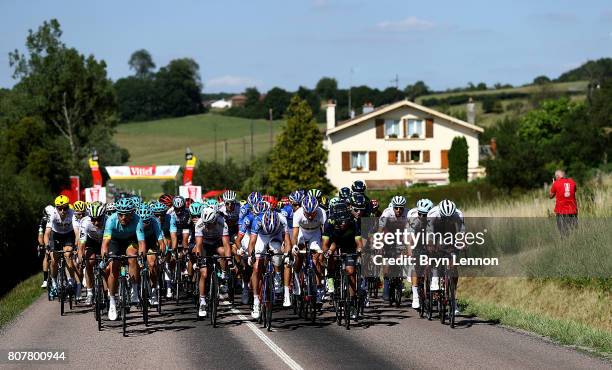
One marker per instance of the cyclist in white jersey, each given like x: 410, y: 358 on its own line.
x: 392, y: 219
x: 60, y: 235
x: 308, y: 222
x: 417, y: 224
x: 90, y: 241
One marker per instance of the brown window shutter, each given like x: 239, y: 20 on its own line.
x: 429, y: 127
x: 392, y: 156
x: 405, y: 124
x: 346, y: 161
x: 402, y: 157
x: 425, y: 156
x: 372, y: 161
x: 380, y: 128
x: 444, y: 159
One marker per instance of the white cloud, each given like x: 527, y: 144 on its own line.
x: 230, y: 81
x: 411, y: 23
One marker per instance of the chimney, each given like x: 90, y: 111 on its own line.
x: 331, y: 114
x: 367, y: 108
x: 471, y: 111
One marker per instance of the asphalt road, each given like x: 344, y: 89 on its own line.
x: 386, y: 338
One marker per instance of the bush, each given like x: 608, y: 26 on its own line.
x: 458, y: 160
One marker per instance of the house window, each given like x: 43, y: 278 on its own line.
x: 415, y: 128
x: 392, y: 127
x: 359, y: 161
x: 415, y: 156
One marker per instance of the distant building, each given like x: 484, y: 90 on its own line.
x: 397, y: 144
x: 221, y: 104
x: 238, y: 100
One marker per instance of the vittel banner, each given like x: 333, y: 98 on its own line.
x: 142, y: 172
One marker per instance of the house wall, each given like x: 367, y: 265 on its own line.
x: 362, y: 137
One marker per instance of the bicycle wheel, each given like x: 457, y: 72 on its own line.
x: 442, y: 301
x: 452, y: 302
x: 61, y: 289
x: 214, y: 297
x: 123, y: 299
x: 177, y: 280
x: 160, y: 285
x: 429, y: 295
x: 347, y: 301
x: 99, y: 292
x: 398, y: 292
x: 269, y: 292
x: 312, y: 291
x: 196, y: 288
x: 144, y: 295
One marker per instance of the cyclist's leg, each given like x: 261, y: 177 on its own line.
x: 53, y: 245
x: 257, y: 273
x: 132, y: 250
x: 114, y: 249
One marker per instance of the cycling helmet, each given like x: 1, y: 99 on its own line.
x: 209, y: 215
x: 145, y: 213
x: 178, y: 202
x: 261, y: 207
x: 296, y: 197
x: 333, y: 201
x: 284, y: 201
x: 158, y: 207
x: 124, y: 205
x: 79, y: 206
x: 166, y: 199
x: 398, y: 201
x: 96, y: 210
x: 447, y: 208
x: 229, y: 196
x: 344, y: 193
x: 110, y: 208
x: 270, y: 199
x: 195, y: 209
x: 340, y: 212
x: 61, y: 200
x: 424, y: 205
x: 359, y: 186
x: 374, y: 203
x: 310, y: 204
x: 254, y: 198
x: 315, y: 193
x: 358, y: 201
x: 49, y: 210
x: 270, y: 222
x: 136, y: 201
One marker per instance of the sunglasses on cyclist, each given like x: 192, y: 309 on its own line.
x: 120, y: 214
x: 62, y: 208
x: 398, y: 208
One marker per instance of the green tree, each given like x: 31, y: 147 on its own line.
x: 418, y: 89
x: 540, y: 80
x: 311, y: 98
x: 141, y: 62
x: 298, y: 157
x: 177, y: 88
x: 327, y: 88
x: 276, y: 99
x: 458, y: 160
x: 252, y: 97
x: 136, y: 98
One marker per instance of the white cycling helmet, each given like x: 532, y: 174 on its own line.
x: 229, y: 196
x: 208, y: 215
x: 447, y: 208
x: 424, y: 205
x: 398, y: 201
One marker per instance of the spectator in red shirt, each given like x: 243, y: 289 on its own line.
x: 563, y: 190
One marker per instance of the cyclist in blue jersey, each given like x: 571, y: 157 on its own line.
x: 121, y: 233
x: 241, y: 243
x: 154, y: 241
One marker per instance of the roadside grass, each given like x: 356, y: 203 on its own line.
x: 19, y: 298
x: 563, y: 331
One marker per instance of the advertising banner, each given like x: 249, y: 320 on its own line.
x: 193, y: 192
x: 96, y: 175
x: 142, y: 172
x: 95, y: 194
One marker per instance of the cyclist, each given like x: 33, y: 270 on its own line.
x: 61, y: 232
x: 359, y: 206
x: 308, y: 224
x: 345, y: 195
x: 446, y: 218
x: 110, y: 209
x: 374, y: 207
x: 392, y: 219
x: 359, y: 187
x: 121, y: 233
x: 154, y: 241
x: 343, y: 232
x: 212, y: 238
x: 166, y: 199
x: 159, y: 211
x: 80, y: 211
x: 230, y: 209
x: 269, y: 231
x: 241, y: 244
x: 90, y: 242
x: 417, y: 223
x: 41, y: 242
x: 180, y: 224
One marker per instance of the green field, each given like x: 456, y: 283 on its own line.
x: 164, y: 141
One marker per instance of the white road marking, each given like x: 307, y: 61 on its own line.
x: 264, y: 338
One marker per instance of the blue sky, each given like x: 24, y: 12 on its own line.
x: 269, y: 43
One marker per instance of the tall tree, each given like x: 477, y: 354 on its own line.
x: 418, y: 89
x: 298, y: 157
x: 458, y: 160
x: 142, y: 63
x: 276, y: 99
x: 252, y: 97
x: 178, y: 88
x: 327, y: 88
x: 67, y: 90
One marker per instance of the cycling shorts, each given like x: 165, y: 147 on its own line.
x: 58, y: 241
x: 264, y: 242
x: 118, y: 247
x: 93, y: 246
x: 315, y: 244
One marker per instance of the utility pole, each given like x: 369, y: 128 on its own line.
x: 396, y: 80
x: 252, y: 152
x: 215, y: 139
x: 271, y: 134
x: 225, y: 151
x: 243, y: 150
x: 349, y: 92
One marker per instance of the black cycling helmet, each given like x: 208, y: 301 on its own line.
x: 358, y: 187
x: 340, y: 212
x: 344, y: 193
x: 358, y: 201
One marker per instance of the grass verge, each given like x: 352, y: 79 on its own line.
x: 19, y: 298
x: 567, y: 332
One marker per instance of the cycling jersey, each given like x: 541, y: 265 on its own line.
x: 344, y: 239
x: 244, y: 211
x: 165, y: 225
x: 273, y: 239
x: 152, y: 232
x: 438, y: 224
x: 231, y: 218
x: 287, y: 212
x: 247, y: 222
x: 89, y: 230
x: 389, y: 222
x: 130, y: 232
x: 212, y: 234
x: 180, y: 222
x: 42, y: 225
x: 309, y: 230
x: 62, y: 226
